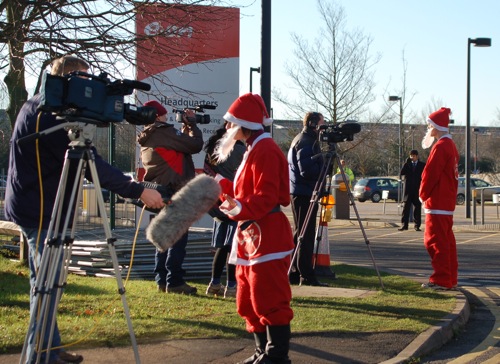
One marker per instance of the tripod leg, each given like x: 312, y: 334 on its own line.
x: 353, y: 203
x: 46, y: 293
x: 66, y: 243
x: 309, y: 215
x: 110, y: 240
x: 40, y: 309
x: 312, y: 210
x: 55, y: 258
x: 319, y: 236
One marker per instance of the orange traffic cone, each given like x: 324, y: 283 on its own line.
x: 321, y: 259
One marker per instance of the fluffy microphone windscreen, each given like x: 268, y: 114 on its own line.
x: 188, y: 204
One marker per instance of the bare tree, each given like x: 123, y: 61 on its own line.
x: 334, y: 74
x: 103, y: 32
x: 497, y: 119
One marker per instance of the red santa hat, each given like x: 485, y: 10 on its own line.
x: 440, y: 119
x: 160, y: 110
x: 248, y: 111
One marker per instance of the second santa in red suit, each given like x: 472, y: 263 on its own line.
x: 263, y: 241
x: 438, y: 192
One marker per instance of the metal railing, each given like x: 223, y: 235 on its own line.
x: 474, y: 193
x: 90, y: 256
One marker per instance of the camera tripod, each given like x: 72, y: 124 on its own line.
x: 321, y: 189
x: 53, y: 270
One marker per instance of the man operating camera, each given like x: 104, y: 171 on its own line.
x: 166, y: 156
x: 35, y: 169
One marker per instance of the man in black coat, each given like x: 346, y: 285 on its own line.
x: 305, y: 165
x: 412, y: 173
x: 35, y: 170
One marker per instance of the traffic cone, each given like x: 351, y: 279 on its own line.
x: 322, y: 257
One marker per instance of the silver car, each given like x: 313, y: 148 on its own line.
x: 475, y: 183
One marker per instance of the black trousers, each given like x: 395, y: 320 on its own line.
x: 417, y: 211
x: 303, y: 262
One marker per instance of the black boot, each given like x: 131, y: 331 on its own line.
x: 278, y: 345
x: 260, y: 347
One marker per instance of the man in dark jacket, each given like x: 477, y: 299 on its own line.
x: 305, y: 164
x: 412, y: 173
x: 35, y: 169
x: 166, y: 156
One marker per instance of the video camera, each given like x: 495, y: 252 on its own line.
x: 340, y: 132
x: 200, y: 116
x: 83, y: 95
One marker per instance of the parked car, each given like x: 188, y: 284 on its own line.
x: 371, y: 188
x: 476, y: 183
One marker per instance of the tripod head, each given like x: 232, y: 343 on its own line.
x: 80, y: 133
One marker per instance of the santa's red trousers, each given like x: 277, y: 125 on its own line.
x: 263, y: 295
x: 441, y: 245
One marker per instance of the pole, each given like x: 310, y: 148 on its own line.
x: 467, y: 138
x: 112, y: 161
x: 252, y: 70
x: 400, y: 132
x: 400, y: 192
x: 478, y: 42
x: 475, y: 157
x: 265, y: 79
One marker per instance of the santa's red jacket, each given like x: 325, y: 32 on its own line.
x: 260, y: 187
x: 438, y: 190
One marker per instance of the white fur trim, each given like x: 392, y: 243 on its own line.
x: 438, y: 212
x: 247, y: 124
x: 267, y: 121
x: 263, y: 258
x: 440, y: 128
x: 235, y: 210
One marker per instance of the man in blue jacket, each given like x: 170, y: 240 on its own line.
x: 304, y: 173
x: 35, y: 168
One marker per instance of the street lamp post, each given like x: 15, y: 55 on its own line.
x: 478, y: 42
x: 397, y: 98
x: 252, y: 70
x: 412, y: 137
x: 400, y: 144
x: 411, y: 134
x: 476, y: 132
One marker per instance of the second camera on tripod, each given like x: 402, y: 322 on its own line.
x: 340, y: 132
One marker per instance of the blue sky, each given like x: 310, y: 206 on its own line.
x: 432, y: 33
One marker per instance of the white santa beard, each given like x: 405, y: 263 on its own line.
x: 225, y: 145
x: 428, y: 139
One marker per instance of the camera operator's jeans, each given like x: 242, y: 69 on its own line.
x: 168, y: 264
x: 35, y: 258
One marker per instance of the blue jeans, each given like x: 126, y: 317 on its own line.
x: 35, y: 257
x: 168, y: 264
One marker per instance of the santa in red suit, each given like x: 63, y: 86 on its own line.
x: 263, y: 241
x: 438, y: 193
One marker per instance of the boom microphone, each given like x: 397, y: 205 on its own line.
x: 189, y: 204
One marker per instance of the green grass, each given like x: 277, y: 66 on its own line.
x: 91, y: 310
